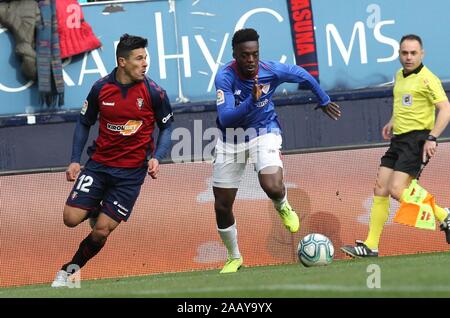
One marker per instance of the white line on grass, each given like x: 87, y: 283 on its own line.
x: 261, y: 288
x: 295, y: 287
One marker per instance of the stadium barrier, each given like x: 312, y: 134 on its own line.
x: 172, y: 227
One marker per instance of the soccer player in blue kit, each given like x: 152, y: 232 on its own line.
x: 127, y: 104
x: 250, y: 129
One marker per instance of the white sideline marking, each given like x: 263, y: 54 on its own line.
x: 297, y: 287
x: 277, y: 287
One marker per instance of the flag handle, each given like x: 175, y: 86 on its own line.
x: 422, y: 166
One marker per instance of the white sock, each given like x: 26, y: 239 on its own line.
x: 229, y: 238
x: 279, y: 203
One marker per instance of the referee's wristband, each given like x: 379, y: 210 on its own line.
x: 431, y: 138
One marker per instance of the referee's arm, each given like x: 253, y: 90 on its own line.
x: 443, y: 117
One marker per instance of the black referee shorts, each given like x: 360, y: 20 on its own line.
x: 405, y: 152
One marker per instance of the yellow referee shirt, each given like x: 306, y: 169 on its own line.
x: 414, y: 98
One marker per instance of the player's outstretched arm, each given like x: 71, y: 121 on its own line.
x: 331, y: 109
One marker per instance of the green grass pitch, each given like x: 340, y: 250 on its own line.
x: 421, y: 275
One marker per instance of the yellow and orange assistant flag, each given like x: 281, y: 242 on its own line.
x: 416, y: 208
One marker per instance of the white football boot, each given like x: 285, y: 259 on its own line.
x: 61, y: 279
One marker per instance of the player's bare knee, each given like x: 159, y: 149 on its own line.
x: 274, y: 190
x: 70, y: 221
x: 100, y: 234
x: 274, y: 193
x: 396, y: 190
x: 380, y: 190
x: 73, y: 216
x: 223, y: 207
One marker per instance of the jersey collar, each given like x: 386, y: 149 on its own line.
x: 112, y: 79
x: 416, y: 71
x: 241, y: 76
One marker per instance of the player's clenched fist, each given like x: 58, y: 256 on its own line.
x: 72, y: 171
x: 153, y: 168
x: 257, y: 89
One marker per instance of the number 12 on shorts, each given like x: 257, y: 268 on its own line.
x: 84, y: 183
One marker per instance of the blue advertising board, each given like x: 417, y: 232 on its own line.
x: 188, y: 41
x: 356, y: 40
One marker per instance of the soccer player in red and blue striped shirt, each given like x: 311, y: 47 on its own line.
x: 127, y: 105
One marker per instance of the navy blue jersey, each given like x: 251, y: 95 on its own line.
x: 235, y: 105
x: 127, y: 115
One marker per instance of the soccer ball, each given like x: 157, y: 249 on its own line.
x: 315, y: 250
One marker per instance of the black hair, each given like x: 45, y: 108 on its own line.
x: 411, y: 37
x: 244, y: 35
x: 128, y: 43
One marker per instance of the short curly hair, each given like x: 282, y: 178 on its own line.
x: 244, y: 35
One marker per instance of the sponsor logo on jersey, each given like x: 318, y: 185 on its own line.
x: 262, y: 103
x: 220, y: 97
x: 265, y: 89
x: 237, y: 94
x: 166, y: 119
x: 407, y: 100
x: 127, y: 129
x: 108, y: 103
x: 84, y: 107
x: 120, y: 208
x: 140, y: 103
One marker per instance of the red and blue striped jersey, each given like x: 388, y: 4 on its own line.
x: 127, y: 115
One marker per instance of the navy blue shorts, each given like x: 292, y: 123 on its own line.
x: 114, y: 189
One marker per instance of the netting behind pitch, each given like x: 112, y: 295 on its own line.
x: 172, y: 227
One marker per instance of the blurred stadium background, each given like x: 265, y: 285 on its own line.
x: 330, y: 167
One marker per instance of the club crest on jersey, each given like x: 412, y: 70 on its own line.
x: 140, y: 103
x: 265, y: 89
x: 127, y: 129
x: 74, y: 195
x: 220, y: 97
x: 407, y: 100
x: 84, y: 107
